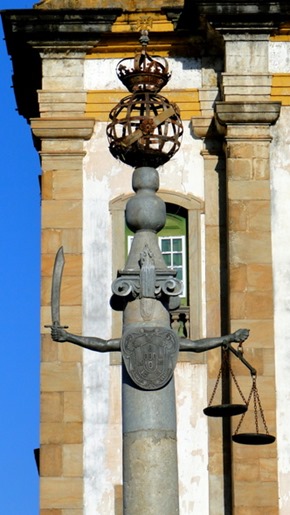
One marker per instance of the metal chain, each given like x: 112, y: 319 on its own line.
x: 226, y: 361
x: 247, y: 404
x: 215, y: 386
x: 257, y: 406
x: 236, y: 383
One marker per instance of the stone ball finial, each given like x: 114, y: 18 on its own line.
x: 145, y: 210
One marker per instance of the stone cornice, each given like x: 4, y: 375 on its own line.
x: 60, y: 128
x: 247, y: 112
x: 246, y: 16
x: 30, y: 31
x: 140, y: 5
x: 246, y: 120
x: 231, y: 16
x: 57, y: 27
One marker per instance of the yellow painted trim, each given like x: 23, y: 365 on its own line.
x: 123, y: 40
x: 134, y: 22
x: 281, y: 79
x: 100, y: 103
x: 285, y: 101
x: 280, y: 38
x: 280, y: 90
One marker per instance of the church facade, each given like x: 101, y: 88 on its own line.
x: 227, y: 196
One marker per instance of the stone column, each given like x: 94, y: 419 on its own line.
x: 247, y: 134
x: 150, y: 476
x: 149, y: 450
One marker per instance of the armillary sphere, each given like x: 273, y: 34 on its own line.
x: 144, y: 129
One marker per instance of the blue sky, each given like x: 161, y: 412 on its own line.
x: 20, y: 298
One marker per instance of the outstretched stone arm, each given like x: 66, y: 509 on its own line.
x: 206, y: 344
x: 59, y: 334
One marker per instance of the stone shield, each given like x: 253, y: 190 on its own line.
x: 150, y: 355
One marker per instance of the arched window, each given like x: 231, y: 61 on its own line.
x: 184, y: 230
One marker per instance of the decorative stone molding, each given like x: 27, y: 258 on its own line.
x: 203, y: 126
x: 39, y: 27
x: 100, y: 102
x: 53, y: 128
x: 249, y: 86
x: 280, y: 90
x: 61, y: 103
x: 244, y: 16
x: 226, y: 16
x: 62, y: 141
x: 240, y: 114
x: 188, y: 201
x: 90, y: 4
x: 32, y: 31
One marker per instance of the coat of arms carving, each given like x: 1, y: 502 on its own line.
x: 150, y: 355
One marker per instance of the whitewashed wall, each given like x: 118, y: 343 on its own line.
x: 279, y: 54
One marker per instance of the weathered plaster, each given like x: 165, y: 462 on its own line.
x: 183, y: 173
x: 280, y: 169
x: 246, y: 52
x: 98, y: 484
x: 280, y: 180
x: 192, y: 438
x: 101, y: 74
x: 279, y: 56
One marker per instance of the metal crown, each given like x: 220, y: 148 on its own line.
x: 143, y: 73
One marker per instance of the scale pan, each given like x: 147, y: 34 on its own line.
x: 225, y: 410
x: 253, y: 438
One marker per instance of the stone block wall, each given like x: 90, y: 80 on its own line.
x: 61, y: 129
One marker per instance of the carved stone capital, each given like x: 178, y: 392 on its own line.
x: 59, y: 128
x: 129, y: 283
x: 246, y: 119
x: 203, y: 127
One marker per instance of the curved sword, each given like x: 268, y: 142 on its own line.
x: 55, y: 288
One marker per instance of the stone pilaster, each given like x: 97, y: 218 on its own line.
x: 61, y: 435
x: 61, y: 131
x: 213, y: 174
x: 214, y: 228
x: 246, y: 129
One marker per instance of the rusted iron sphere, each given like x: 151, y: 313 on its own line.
x: 144, y: 129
